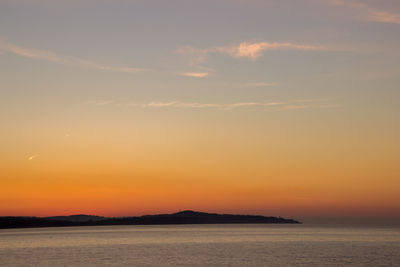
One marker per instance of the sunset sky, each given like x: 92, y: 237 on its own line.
x: 130, y: 107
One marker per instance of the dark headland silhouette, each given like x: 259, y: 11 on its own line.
x: 182, y: 217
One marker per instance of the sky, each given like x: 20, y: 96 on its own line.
x: 130, y: 107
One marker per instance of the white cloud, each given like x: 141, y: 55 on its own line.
x: 61, y: 59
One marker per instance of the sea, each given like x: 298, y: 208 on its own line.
x: 202, y: 245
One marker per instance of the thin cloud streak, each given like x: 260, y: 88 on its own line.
x: 274, y: 105
x: 253, y: 50
x: 249, y: 50
x: 178, y: 104
x: 61, y: 59
x: 195, y: 74
x: 303, y: 106
x: 291, y: 105
x: 372, y: 14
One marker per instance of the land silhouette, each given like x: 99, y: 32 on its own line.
x: 182, y: 217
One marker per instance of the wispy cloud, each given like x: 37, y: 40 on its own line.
x: 253, y: 50
x: 306, y: 106
x: 179, y: 104
x: 33, y: 157
x: 61, y: 59
x: 248, y: 50
x: 275, y: 105
x: 369, y: 12
x: 194, y: 56
x: 195, y: 74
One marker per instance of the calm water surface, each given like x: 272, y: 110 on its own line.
x: 201, y: 245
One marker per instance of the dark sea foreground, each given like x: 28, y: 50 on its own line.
x: 201, y: 245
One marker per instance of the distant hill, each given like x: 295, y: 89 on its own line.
x: 76, y: 218
x: 182, y: 217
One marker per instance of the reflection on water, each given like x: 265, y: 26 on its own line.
x: 200, y: 245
